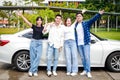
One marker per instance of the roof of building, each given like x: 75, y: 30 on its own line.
x: 56, y: 9
x: 68, y: 0
x: 47, y: 1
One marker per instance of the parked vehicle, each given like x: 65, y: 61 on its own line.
x: 14, y: 49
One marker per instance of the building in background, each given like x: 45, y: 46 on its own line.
x: 3, y: 23
x: 75, y: 2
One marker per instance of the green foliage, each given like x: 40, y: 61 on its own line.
x: 3, y: 14
x: 9, y: 30
x: 64, y: 4
x: 47, y: 13
x: 70, y: 15
x: 90, y: 6
x: 107, y: 5
x: 81, y: 6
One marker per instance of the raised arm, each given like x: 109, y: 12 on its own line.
x: 47, y: 27
x: 26, y: 21
x: 94, y: 18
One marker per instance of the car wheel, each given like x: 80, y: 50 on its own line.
x: 22, y: 61
x: 113, y: 62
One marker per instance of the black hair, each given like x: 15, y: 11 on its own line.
x: 58, y: 15
x: 39, y: 17
x: 79, y: 13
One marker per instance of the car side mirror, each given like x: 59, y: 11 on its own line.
x: 93, y: 41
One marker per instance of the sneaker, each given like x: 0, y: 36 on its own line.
x: 30, y: 74
x: 54, y: 73
x: 89, y: 75
x: 35, y: 74
x: 68, y: 73
x: 83, y: 73
x: 73, y: 74
x: 49, y: 73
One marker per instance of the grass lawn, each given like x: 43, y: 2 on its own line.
x: 108, y: 35
x: 9, y: 30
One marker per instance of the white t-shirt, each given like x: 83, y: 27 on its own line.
x: 69, y: 33
x: 80, y: 34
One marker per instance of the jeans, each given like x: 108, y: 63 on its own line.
x: 84, y: 51
x: 52, y: 54
x: 35, y: 54
x: 71, y: 56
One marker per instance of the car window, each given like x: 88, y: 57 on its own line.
x: 28, y: 35
x: 102, y: 39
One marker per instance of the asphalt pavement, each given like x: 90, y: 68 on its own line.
x: 8, y: 72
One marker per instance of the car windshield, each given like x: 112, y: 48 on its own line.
x: 102, y: 39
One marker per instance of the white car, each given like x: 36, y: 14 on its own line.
x: 14, y: 49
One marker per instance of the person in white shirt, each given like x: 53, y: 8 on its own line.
x: 70, y: 48
x: 55, y: 43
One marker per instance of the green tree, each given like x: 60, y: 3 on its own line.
x: 8, y: 12
x: 3, y: 14
x: 48, y: 14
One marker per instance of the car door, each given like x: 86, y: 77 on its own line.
x: 96, y: 51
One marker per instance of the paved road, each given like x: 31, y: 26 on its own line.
x: 7, y: 72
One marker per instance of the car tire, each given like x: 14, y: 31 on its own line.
x: 22, y: 61
x: 113, y: 62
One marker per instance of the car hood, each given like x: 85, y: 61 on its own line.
x: 114, y: 42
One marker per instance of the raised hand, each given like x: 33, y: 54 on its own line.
x: 83, y: 11
x: 19, y: 13
x: 101, y: 11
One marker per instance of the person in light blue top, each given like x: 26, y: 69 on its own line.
x: 82, y: 36
x: 70, y: 48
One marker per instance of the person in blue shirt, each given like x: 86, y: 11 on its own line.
x: 82, y: 36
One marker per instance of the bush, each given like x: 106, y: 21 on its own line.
x: 9, y: 30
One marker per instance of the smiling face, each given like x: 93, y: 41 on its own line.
x: 39, y: 21
x: 58, y: 19
x: 68, y: 22
x: 79, y: 17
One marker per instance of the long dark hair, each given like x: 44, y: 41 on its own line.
x: 39, y: 17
